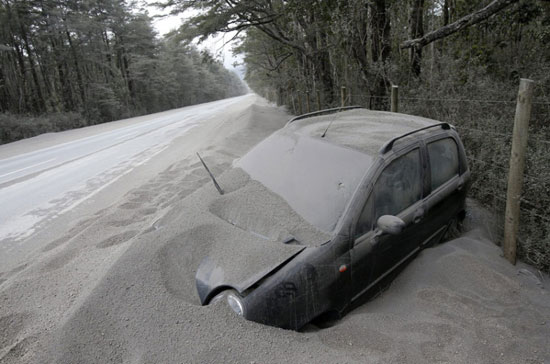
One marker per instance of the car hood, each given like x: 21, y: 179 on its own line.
x: 252, y: 224
x: 241, y: 264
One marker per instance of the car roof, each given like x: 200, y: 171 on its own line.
x: 360, y: 129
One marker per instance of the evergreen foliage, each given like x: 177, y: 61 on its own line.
x: 96, y: 58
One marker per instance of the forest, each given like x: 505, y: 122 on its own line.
x: 458, y: 61
x: 67, y: 64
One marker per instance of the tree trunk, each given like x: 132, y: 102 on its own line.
x: 357, y: 45
x: 41, y: 102
x: 22, y: 69
x: 4, y: 97
x: 108, y: 56
x: 380, y: 52
x: 416, y: 31
x: 380, y: 27
x: 323, y: 75
x: 66, y: 95
x: 78, y: 71
x: 446, y: 13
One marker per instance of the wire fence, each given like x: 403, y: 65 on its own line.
x: 486, y: 128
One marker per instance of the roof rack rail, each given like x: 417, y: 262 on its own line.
x: 389, y: 145
x: 323, y: 112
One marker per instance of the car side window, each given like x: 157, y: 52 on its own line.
x: 443, y: 156
x: 365, y: 223
x: 398, y: 187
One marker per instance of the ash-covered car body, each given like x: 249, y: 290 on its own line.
x: 367, y: 190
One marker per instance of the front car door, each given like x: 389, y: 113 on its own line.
x: 398, y: 190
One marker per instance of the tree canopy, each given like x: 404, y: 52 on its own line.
x: 101, y: 59
x: 367, y: 45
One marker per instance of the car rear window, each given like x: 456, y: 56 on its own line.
x: 443, y: 161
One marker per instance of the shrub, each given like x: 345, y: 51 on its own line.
x: 16, y: 127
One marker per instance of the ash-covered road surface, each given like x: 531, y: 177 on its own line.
x: 44, y: 177
x: 111, y: 280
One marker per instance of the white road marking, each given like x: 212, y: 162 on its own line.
x: 32, y: 166
x: 122, y: 137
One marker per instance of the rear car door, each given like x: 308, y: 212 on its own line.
x: 446, y: 184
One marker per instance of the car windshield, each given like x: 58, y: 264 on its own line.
x: 316, y: 178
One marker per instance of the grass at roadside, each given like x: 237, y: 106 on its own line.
x: 16, y: 127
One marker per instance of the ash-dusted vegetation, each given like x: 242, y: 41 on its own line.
x: 454, y: 60
x: 67, y: 64
x: 486, y: 127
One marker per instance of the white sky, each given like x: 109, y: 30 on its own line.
x: 214, y: 44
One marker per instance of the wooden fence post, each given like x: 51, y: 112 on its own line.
x: 293, y: 103
x: 517, y: 162
x: 395, y: 98
x: 343, y: 96
x: 308, y: 109
x: 318, y: 100
x: 300, y: 109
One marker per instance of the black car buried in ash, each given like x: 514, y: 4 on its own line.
x: 370, y: 189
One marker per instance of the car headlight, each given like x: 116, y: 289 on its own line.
x: 236, y: 303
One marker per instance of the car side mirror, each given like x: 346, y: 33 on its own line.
x: 390, y: 224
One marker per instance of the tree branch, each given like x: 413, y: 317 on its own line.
x: 469, y: 20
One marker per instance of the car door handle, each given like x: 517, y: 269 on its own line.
x: 418, y: 215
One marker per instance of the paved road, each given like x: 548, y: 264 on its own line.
x: 38, y: 186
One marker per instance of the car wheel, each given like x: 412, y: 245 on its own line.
x: 220, y: 296
x: 231, y: 298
